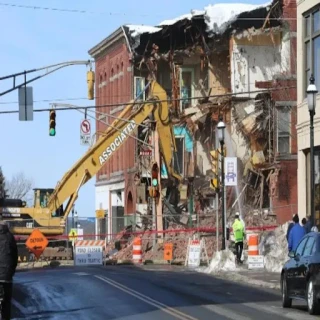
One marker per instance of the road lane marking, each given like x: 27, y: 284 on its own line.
x: 223, y: 311
x: 165, y: 308
x: 81, y: 273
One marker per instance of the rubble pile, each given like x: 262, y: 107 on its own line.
x: 206, y: 219
x: 274, y: 247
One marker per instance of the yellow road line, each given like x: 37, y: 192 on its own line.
x: 172, y: 311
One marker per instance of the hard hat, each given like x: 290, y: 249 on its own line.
x: 237, y: 214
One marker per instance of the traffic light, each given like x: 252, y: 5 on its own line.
x: 215, y: 161
x: 154, y: 188
x: 224, y: 151
x: 52, y: 128
x: 214, y: 182
x: 90, y: 82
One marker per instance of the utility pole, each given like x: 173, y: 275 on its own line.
x: 159, y: 217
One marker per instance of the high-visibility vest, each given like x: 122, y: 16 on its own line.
x: 238, y: 231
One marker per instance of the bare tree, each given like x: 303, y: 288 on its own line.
x: 20, y: 187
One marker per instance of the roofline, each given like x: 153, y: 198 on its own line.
x: 107, y: 42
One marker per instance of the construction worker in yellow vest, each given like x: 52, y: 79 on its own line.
x: 239, y: 236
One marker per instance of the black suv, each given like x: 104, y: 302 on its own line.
x: 300, y: 276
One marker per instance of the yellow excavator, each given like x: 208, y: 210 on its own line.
x: 48, y: 213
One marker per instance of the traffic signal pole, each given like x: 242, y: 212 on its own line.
x: 159, y: 219
x: 154, y: 214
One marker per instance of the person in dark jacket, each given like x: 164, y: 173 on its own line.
x: 8, y: 265
x: 291, y: 224
x: 308, y: 224
x: 297, y: 232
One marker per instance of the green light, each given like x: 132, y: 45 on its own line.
x: 52, y: 132
x: 154, y: 182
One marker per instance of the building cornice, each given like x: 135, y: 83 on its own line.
x: 106, y: 43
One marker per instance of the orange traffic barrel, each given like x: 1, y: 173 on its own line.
x: 137, y: 250
x: 253, y: 246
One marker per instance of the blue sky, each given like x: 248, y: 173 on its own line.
x: 35, y: 38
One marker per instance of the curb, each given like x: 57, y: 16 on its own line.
x: 144, y: 262
x: 238, y: 277
x: 43, y: 264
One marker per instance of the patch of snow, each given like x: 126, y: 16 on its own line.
x: 136, y: 30
x: 222, y: 261
x: 274, y: 247
x: 170, y: 22
x: 219, y: 16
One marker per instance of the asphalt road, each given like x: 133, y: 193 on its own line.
x: 150, y: 293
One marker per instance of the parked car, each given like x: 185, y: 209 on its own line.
x: 300, y: 276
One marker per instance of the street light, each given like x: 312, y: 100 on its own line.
x: 221, y: 127
x: 311, y: 95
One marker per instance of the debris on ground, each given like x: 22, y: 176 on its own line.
x: 274, y: 247
x: 120, y: 248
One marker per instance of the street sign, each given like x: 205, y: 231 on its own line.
x: 231, y: 171
x: 194, y: 253
x: 25, y: 104
x: 100, y: 213
x: 88, y: 255
x: 167, y: 252
x: 73, y: 234
x: 37, y: 242
x: 85, y: 132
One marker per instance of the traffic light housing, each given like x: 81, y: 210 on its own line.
x: 154, y: 188
x: 52, y: 126
x: 215, y: 161
x: 90, y: 82
x: 214, y: 182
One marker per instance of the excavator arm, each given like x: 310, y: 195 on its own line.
x: 113, y: 139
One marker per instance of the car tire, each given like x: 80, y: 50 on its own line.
x: 286, y: 301
x: 312, y: 301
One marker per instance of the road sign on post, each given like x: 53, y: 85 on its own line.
x: 73, y: 234
x: 25, y: 104
x: 85, y: 132
x: 37, y: 242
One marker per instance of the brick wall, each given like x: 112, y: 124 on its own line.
x: 286, y: 200
x: 113, y: 86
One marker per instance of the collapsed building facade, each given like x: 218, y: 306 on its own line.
x: 238, y: 62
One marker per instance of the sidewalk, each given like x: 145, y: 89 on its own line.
x: 261, y: 278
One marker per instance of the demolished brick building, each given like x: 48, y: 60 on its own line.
x: 240, y: 66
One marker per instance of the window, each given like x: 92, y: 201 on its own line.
x: 309, y: 247
x: 179, y: 156
x: 283, y: 130
x: 299, y: 250
x: 186, y: 88
x: 139, y: 85
x: 312, y: 45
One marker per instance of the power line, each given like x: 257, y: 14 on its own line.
x: 103, y: 96
x: 74, y: 10
x: 122, y: 13
x: 153, y: 101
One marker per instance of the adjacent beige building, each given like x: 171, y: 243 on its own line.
x: 308, y: 62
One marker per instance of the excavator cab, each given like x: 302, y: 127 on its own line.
x: 41, y: 199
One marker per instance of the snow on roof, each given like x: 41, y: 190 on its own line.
x: 137, y: 30
x: 219, y: 16
x: 173, y: 21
